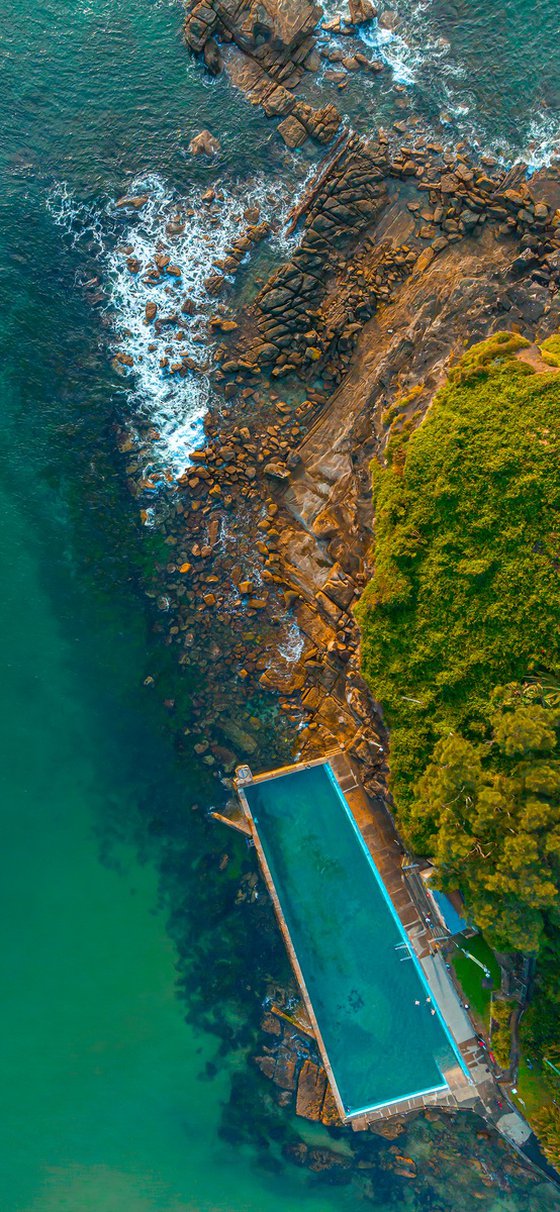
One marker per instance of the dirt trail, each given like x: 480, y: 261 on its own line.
x: 532, y: 357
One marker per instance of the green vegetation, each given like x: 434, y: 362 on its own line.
x: 550, y: 350
x: 533, y: 1092
x: 460, y: 627
x: 547, y: 1123
x: 471, y: 977
x: 460, y: 644
x: 501, y: 1030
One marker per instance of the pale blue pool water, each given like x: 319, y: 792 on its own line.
x: 370, y: 999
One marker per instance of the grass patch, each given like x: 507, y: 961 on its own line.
x: 550, y: 350
x: 470, y: 976
x: 533, y: 1092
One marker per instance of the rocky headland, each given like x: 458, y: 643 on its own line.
x: 406, y: 255
x: 407, y: 252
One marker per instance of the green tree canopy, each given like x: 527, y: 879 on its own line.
x: 460, y: 627
x: 489, y: 813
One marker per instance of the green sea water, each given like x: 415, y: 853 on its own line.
x: 126, y: 1006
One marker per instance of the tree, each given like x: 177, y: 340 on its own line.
x: 490, y: 815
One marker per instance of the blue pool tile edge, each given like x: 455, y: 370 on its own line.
x: 380, y: 882
x: 352, y: 1112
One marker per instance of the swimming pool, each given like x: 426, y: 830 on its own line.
x: 381, y: 1029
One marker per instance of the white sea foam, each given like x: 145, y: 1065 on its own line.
x: 543, y: 142
x: 400, y: 55
x: 393, y: 50
x: 81, y: 222
x: 422, y: 59
x: 292, y: 644
x: 168, y: 408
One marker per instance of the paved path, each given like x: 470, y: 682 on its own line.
x: 438, y: 979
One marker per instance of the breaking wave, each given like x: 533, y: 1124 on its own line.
x: 292, y: 644
x: 164, y: 253
x: 486, y: 77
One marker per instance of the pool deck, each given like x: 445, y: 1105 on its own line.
x: 379, y: 835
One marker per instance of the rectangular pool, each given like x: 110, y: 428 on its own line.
x: 382, y: 1032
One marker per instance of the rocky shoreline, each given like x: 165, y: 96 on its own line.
x: 407, y: 252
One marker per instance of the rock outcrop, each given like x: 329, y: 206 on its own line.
x: 204, y: 144
x: 274, y: 43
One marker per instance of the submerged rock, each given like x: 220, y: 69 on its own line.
x: 311, y: 1090
x: 136, y: 201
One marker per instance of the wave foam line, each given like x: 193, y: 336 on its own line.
x: 168, y: 409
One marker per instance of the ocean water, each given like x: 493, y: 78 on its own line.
x: 131, y: 980
x: 485, y: 73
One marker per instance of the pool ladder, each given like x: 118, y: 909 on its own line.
x: 404, y: 947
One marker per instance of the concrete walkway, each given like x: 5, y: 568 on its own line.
x: 438, y: 979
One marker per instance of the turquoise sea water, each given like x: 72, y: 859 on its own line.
x: 128, y: 1008
x: 383, y: 1037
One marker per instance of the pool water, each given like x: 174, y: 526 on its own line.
x: 381, y: 1029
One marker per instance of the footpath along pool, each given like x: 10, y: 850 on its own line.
x: 380, y: 1026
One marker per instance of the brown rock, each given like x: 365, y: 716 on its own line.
x: 424, y: 260
x: 221, y: 324
x: 361, y: 11
x: 137, y: 201
x: 266, y: 1064
x: 326, y: 524
x: 329, y: 1113
x: 239, y: 737
x: 285, y: 1072
x: 325, y: 1159
x: 212, y: 57
x: 292, y: 132
x: 214, y: 284
x: 277, y: 470
x: 311, y: 1089
x: 282, y: 24
x: 323, y: 123
x: 204, y: 144
x: 271, y: 1024
x: 389, y: 1129
x: 150, y: 312
x: 278, y: 103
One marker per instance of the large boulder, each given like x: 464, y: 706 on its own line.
x: 361, y: 11
x: 204, y: 144
x: 281, y: 24
x: 292, y: 132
